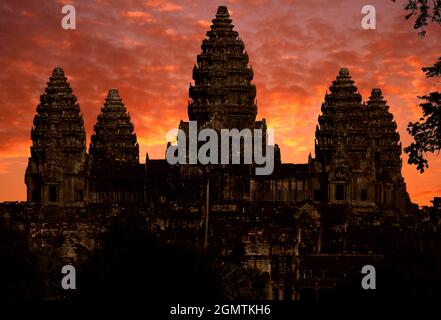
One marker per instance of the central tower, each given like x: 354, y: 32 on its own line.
x: 222, y: 87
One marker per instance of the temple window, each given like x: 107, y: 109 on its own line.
x: 36, y: 193
x: 340, y: 192
x: 364, y: 195
x: 53, y: 194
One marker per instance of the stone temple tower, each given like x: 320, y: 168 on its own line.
x: 114, y: 170
x: 223, y: 96
x: 222, y: 87
x: 343, y: 145
x: 358, y: 149
x: 55, y: 174
x: 391, y: 188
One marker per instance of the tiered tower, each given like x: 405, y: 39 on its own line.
x: 114, y: 154
x: 222, y: 87
x: 391, y: 187
x: 343, y: 144
x: 358, y: 149
x: 114, y: 141
x: 56, y: 168
x: 223, y: 97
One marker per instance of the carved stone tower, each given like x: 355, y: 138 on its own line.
x: 358, y: 148
x: 56, y: 169
x: 391, y: 188
x: 222, y: 87
x: 223, y: 97
x: 114, y: 155
x: 343, y: 145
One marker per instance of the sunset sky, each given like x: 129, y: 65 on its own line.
x: 147, y: 50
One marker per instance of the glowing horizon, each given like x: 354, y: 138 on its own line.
x: 147, y: 50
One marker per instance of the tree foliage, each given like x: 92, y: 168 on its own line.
x: 427, y: 130
x: 424, y: 11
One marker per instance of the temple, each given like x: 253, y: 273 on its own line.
x: 114, y: 173
x: 56, y: 168
x: 222, y: 93
x: 304, y: 227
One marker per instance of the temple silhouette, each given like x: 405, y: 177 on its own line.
x: 305, y: 227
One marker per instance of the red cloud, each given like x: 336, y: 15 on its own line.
x: 162, y: 6
x: 147, y: 50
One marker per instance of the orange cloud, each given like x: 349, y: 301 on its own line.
x: 163, y: 6
x: 139, y: 15
x: 147, y: 50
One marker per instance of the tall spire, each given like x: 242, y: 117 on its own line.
x: 58, y: 142
x: 388, y: 163
x: 358, y: 147
x: 222, y: 78
x: 114, y: 140
x: 343, y: 116
x: 58, y: 124
x: 222, y: 26
x: 343, y: 90
x: 384, y: 126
